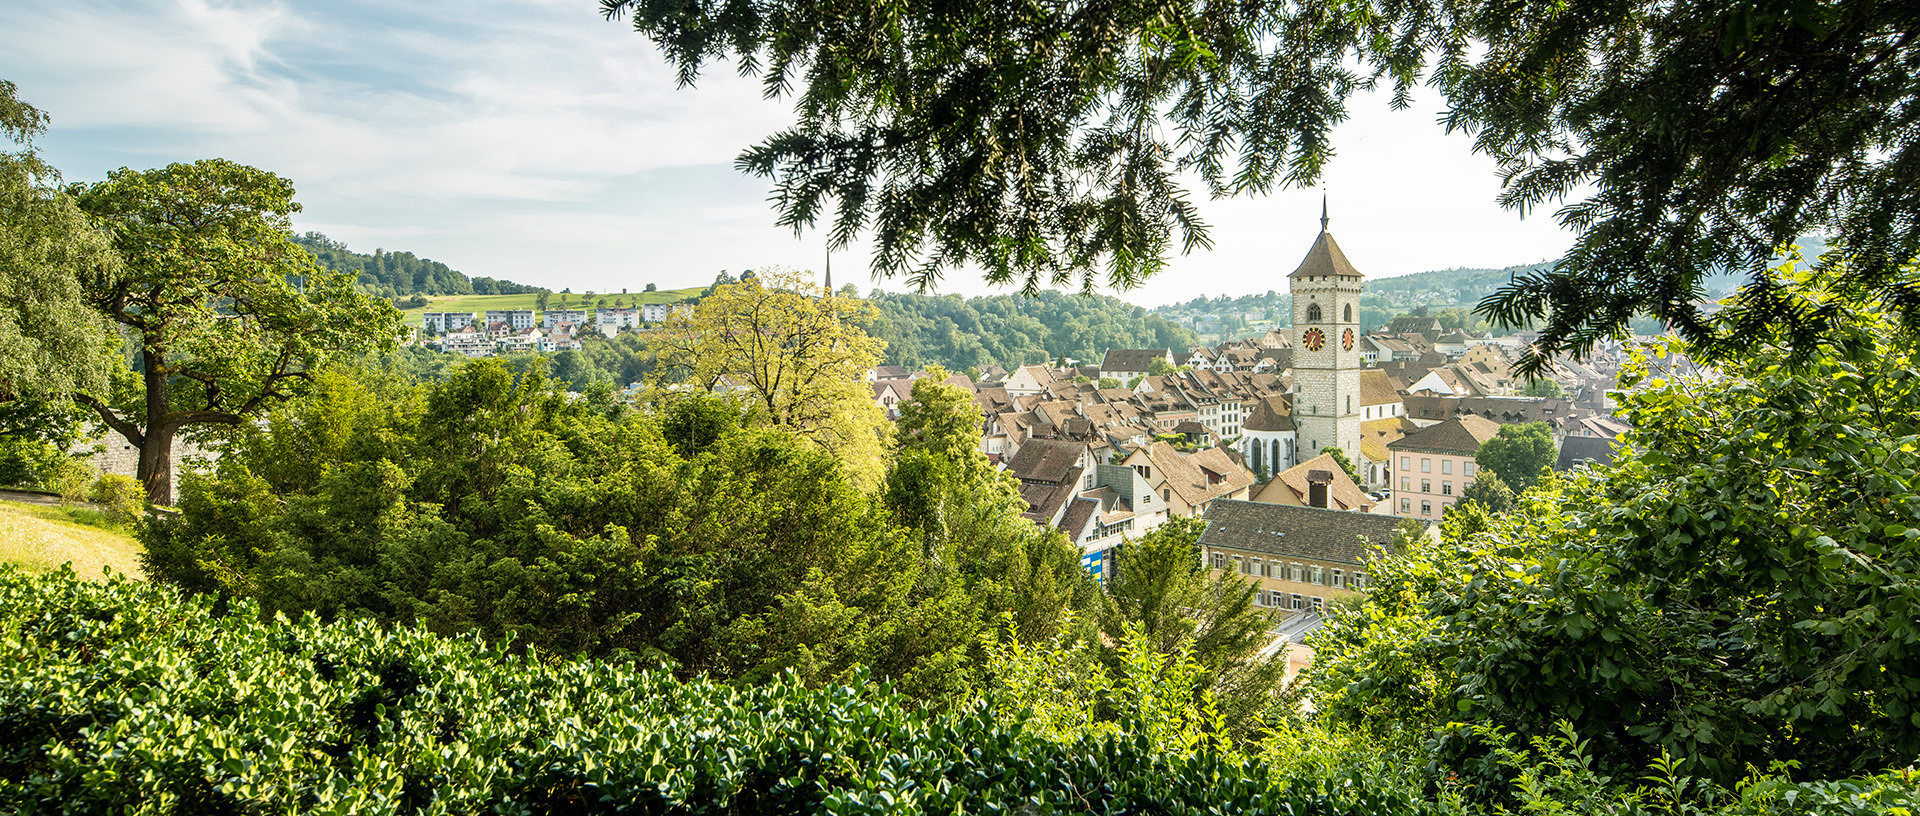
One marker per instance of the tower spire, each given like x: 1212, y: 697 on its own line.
x: 1323, y: 212
x: 829, y: 270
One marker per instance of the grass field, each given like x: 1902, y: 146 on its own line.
x: 43, y: 538
x: 481, y: 303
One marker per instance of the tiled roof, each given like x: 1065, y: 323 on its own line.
x: 1046, y: 460
x: 1376, y: 388
x: 1324, y: 258
x: 1342, y: 493
x: 1577, y: 449
x: 1461, y: 437
x: 1188, y: 475
x: 1335, y: 536
x: 1272, y: 414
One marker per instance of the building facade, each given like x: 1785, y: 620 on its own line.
x: 1327, y: 408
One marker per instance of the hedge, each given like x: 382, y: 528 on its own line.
x: 123, y: 697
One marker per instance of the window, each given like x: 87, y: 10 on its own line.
x: 1446, y: 466
x: 1319, y: 574
x: 1467, y: 469
x: 1316, y: 603
x: 1406, y: 483
x: 1426, y: 465
x: 1349, y: 403
x: 1339, y: 578
x: 1240, y: 565
x: 1346, y: 316
x: 1297, y: 573
x: 1219, y: 560
x: 1166, y: 494
x: 1359, y: 580
x: 1406, y: 505
x: 1299, y: 602
x: 1426, y: 485
x: 1257, y: 567
x: 1277, y: 600
x: 1446, y: 488
x: 1426, y: 508
x: 1313, y: 313
x: 1406, y: 463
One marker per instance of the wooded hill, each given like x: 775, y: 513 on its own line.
x: 1011, y: 330
x: 398, y: 274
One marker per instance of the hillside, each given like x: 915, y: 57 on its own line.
x: 1011, y: 330
x: 43, y: 538
x: 530, y: 300
x: 399, y: 274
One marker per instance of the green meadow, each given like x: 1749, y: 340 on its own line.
x: 557, y: 300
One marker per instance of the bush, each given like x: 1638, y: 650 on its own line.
x: 123, y: 697
x: 120, y: 497
x: 69, y: 477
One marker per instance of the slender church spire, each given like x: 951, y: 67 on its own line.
x: 1323, y: 212
x: 829, y: 270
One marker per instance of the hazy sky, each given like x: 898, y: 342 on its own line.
x: 535, y: 141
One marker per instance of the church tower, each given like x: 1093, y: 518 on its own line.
x: 1326, y: 349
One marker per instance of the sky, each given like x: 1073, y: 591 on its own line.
x: 536, y: 141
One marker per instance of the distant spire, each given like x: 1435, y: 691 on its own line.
x: 829, y: 270
x: 1323, y: 212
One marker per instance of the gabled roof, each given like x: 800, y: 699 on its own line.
x: 1046, y: 460
x: 1080, y: 516
x: 1271, y: 414
x: 1189, y: 475
x: 1342, y: 493
x: 1335, y: 536
x: 1461, y: 437
x: 1324, y: 258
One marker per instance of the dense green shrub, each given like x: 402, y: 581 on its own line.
x: 121, y: 696
x: 120, y: 497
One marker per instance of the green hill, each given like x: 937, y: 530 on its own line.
x: 563, y: 300
x: 398, y: 274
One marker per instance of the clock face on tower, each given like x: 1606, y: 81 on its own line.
x: 1346, y: 340
x: 1314, y: 340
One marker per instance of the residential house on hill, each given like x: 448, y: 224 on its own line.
x: 1296, y: 557
x: 1434, y: 464
x: 1427, y: 327
x: 1126, y: 364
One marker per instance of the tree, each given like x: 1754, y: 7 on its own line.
x: 797, y: 355
x: 1163, y: 596
x: 1517, y: 453
x: 1735, y: 589
x: 1543, y: 387
x: 1346, y: 464
x: 1044, y: 141
x: 52, y: 343
x: 228, y: 314
x: 651, y: 288
x: 1489, y: 491
x: 1109, y: 382
x: 540, y: 301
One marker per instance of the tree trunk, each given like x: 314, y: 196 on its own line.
x: 156, y: 446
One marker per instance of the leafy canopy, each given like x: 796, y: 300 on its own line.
x: 1045, y: 142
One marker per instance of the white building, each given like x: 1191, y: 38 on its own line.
x: 654, y: 312
x: 554, y: 317
x: 437, y: 323
x: 612, y: 319
x: 517, y: 318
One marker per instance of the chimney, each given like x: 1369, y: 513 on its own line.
x: 1317, y: 482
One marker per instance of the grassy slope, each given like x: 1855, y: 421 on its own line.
x: 43, y: 538
x: 481, y: 303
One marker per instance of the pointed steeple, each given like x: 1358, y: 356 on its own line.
x: 829, y: 271
x: 1325, y: 258
x: 1323, y: 212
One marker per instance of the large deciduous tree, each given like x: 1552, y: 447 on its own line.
x: 51, y: 342
x: 1045, y: 141
x: 228, y: 314
x: 798, y: 355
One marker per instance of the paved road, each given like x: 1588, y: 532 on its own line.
x: 25, y: 497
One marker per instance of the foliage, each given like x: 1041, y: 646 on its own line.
x: 1044, y: 142
x: 120, y: 497
x: 1543, y: 387
x: 1161, y: 594
x: 1490, y: 492
x: 69, y: 477
x: 505, y: 506
x: 1346, y: 464
x: 347, y: 717
x: 51, y: 343
x: 1737, y: 589
x: 797, y: 355
x: 1518, y: 453
x: 391, y: 274
x: 227, y: 313
x: 1064, y: 691
x: 1012, y: 330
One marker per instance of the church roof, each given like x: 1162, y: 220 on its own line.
x: 1325, y: 258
